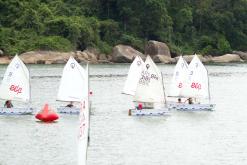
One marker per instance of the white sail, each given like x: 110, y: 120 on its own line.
x: 196, y: 85
x: 16, y: 82
x: 133, y: 76
x: 83, y: 135
x: 150, y: 85
x: 72, y: 82
x: 179, y: 75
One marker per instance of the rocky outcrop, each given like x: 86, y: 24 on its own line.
x: 158, y: 51
x: 243, y: 55
x: 52, y: 57
x: 163, y: 59
x: 46, y: 57
x: 227, y: 58
x: 188, y: 58
x: 4, y: 60
x: 87, y: 55
x: 154, y: 48
x: 124, y: 54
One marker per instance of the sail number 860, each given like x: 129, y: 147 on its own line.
x: 196, y: 85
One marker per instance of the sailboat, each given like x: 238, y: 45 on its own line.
x: 71, y: 87
x: 177, y: 83
x: 15, y: 86
x: 84, y: 119
x: 196, y: 86
x: 150, y: 91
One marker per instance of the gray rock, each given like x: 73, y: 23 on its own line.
x: 188, y: 58
x: 125, y: 54
x: 227, y: 58
x: 46, y: 57
x: 243, y: 55
x: 163, y: 59
x: 154, y: 48
x: 5, y: 60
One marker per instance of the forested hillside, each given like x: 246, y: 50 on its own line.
x: 187, y: 26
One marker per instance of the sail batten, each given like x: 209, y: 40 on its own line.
x: 150, y: 85
x: 72, y: 82
x: 16, y: 82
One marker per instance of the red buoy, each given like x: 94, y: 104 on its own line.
x: 46, y: 115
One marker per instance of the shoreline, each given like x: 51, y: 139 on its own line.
x: 158, y: 51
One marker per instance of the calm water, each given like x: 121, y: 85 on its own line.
x: 184, y: 138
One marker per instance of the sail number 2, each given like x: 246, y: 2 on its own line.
x: 15, y: 88
x: 196, y: 85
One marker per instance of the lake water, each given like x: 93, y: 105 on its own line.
x: 183, y: 138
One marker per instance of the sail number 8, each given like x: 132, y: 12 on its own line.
x: 196, y: 85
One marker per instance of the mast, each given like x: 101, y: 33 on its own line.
x: 89, y: 104
x: 163, y: 88
x: 29, y: 102
x: 209, y: 95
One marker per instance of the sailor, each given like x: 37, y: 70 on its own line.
x: 70, y: 105
x: 139, y: 107
x: 190, y: 101
x: 8, y: 104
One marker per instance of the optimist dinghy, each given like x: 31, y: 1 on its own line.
x: 15, y: 86
x: 71, y: 86
x: 148, y: 89
x: 177, y: 83
x: 195, y: 86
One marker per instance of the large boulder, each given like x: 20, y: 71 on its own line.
x: 5, y: 60
x: 227, y: 58
x: 103, y: 58
x: 90, y: 55
x: 243, y: 55
x: 46, y: 57
x: 53, y: 57
x: 163, y: 59
x: 124, y: 54
x: 154, y: 48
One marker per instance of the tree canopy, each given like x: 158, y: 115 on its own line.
x: 187, y: 26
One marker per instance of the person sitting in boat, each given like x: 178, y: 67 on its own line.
x: 139, y: 107
x: 179, y: 100
x: 70, y: 105
x: 190, y: 101
x: 8, y: 104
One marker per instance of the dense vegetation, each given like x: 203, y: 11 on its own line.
x: 187, y: 26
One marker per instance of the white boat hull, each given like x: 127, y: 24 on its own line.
x: 16, y: 111
x: 68, y: 110
x: 191, y: 107
x: 149, y: 112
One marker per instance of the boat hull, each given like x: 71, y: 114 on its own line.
x: 191, y: 107
x: 68, y: 110
x: 16, y: 111
x: 149, y: 112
